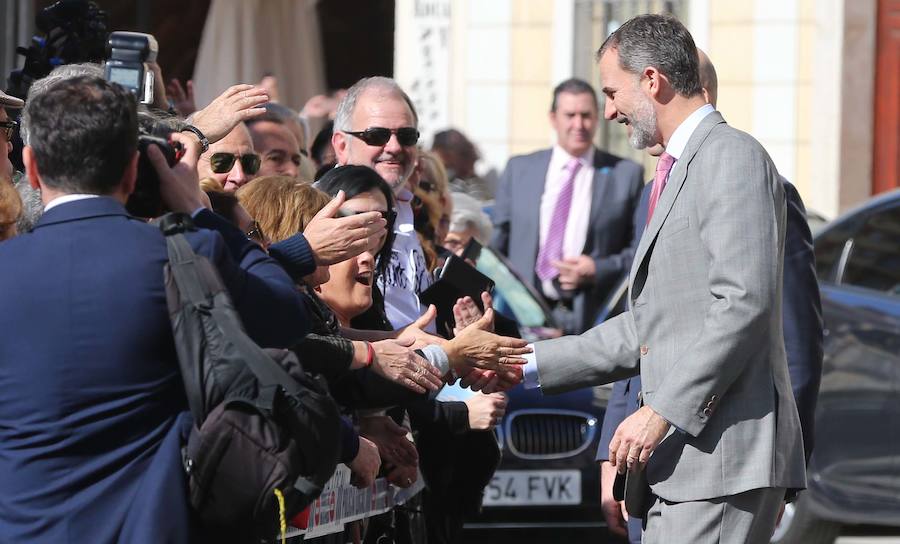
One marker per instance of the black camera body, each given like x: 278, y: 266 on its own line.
x: 126, y: 64
x: 146, y: 200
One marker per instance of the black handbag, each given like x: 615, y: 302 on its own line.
x: 265, y: 440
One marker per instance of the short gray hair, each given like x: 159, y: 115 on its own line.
x: 32, y: 206
x: 344, y: 114
x: 660, y: 41
x: 60, y: 73
x: 467, y: 213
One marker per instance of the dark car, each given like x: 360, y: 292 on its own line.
x: 548, y: 479
x: 854, y: 472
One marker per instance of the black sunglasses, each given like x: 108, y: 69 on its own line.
x: 222, y: 163
x: 10, y: 126
x: 379, y: 136
x: 388, y: 216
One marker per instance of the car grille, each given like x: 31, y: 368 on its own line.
x: 549, y: 434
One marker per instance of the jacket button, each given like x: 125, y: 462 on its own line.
x: 706, y: 412
x: 644, y: 350
x: 713, y: 398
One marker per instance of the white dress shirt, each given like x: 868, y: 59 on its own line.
x: 579, y: 213
x: 677, y: 142
x: 66, y: 198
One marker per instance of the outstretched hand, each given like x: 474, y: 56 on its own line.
x: 476, y: 346
x: 396, y: 361
x: 491, y: 381
x: 466, y: 312
x: 415, y: 331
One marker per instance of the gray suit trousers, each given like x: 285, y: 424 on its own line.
x: 745, y: 518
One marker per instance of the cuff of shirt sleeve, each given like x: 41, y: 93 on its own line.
x: 530, y: 370
x: 349, y: 441
x: 437, y: 357
x: 295, y: 255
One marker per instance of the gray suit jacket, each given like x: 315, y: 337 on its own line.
x: 704, y: 329
x: 516, y: 216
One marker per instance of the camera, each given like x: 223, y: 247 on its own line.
x: 126, y: 64
x: 146, y: 200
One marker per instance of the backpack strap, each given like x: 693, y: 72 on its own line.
x: 198, y: 284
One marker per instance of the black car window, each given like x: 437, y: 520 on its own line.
x: 874, y: 260
x: 829, y: 246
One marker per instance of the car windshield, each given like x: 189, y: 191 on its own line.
x: 511, y: 297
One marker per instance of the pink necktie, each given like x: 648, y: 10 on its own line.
x: 663, y: 166
x: 553, y: 244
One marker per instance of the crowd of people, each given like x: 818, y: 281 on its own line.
x: 326, y: 242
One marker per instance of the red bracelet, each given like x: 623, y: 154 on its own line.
x: 370, y: 354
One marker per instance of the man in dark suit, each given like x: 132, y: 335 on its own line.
x: 802, y: 331
x: 563, y: 215
x: 93, y: 406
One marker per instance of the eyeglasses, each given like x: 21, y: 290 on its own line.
x: 255, y: 233
x: 9, y: 127
x: 222, y: 163
x: 379, y: 136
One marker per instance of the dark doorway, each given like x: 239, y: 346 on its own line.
x: 358, y: 40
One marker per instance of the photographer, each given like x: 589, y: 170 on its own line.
x: 93, y: 404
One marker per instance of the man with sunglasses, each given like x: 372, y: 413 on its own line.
x: 375, y: 126
x: 231, y: 161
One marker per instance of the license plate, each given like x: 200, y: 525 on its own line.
x: 533, y: 487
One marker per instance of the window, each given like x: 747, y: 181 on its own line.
x: 832, y: 245
x: 511, y: 297
x: 594, y: 21
x: 874, y: 259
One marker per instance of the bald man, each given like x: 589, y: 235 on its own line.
x: 802, y: 331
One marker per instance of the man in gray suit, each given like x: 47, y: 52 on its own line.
x: 563, y: 215
x: 718, y: 433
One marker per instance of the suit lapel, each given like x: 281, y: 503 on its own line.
x: 673, y: 188
x: 532, y: 191
x: 598, y: 188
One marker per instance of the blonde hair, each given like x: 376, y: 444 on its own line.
x: 281, y: 205
x: 10, y: 209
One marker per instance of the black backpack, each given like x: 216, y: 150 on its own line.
x: 266, y: 435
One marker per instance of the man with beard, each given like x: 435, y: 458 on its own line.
x: 802, y: 331
x: 717, y: 438
x: 572, y: 253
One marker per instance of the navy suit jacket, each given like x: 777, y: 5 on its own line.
x: 516, y: 216
x: 93, y: 406
x: 802, y: 326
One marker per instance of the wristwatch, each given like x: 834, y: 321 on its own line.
x: 204, y: 142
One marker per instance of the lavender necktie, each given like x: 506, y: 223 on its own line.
x: 553, y: 244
